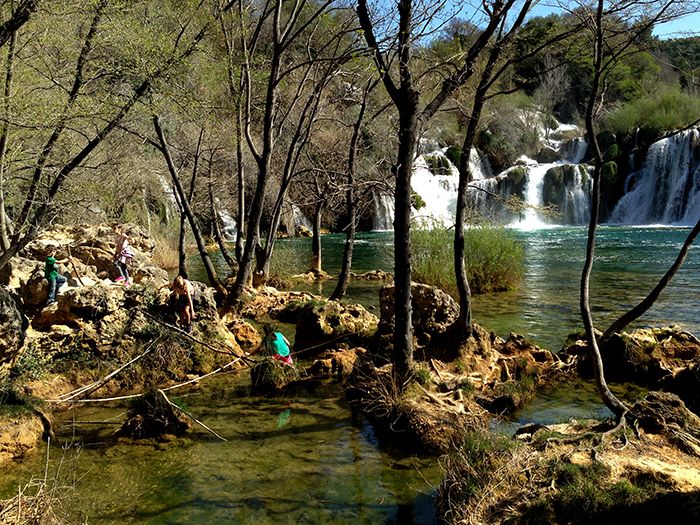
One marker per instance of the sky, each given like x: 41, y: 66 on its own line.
x: 686, y: 26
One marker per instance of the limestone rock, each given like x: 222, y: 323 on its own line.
x: 547, y: 154
x: 338, y: 364
x: 18, y: 435
x: 321, y: 325
x: 433, y: 311
x: 247, y: 336
x: 18, y: 270
x: 648, y: 356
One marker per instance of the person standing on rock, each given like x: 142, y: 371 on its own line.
x: 55, y: 279
x: 123, y: 253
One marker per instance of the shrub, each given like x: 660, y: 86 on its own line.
x: 290, y: 257
x: 654, y: 114
x: 494, y: 259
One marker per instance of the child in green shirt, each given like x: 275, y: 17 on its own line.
x: 55, y: 279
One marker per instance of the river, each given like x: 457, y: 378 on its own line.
x: 307, y: 459
x: 629, y: 262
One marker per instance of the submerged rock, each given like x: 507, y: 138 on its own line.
x: 152, y: 415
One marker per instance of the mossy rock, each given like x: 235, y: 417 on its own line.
x: 437, y: 164
x: 417, y: 201
x: 454, y: 153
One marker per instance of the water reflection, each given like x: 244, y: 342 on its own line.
x: 297, y: 460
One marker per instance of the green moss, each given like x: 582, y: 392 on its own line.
x: 583, y: 494
x: 422, y: 375
x: 13, y: 403
x: 437, y: 164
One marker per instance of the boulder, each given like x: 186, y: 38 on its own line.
x: 338, y: 364
x: 18, y: 271
x: 433, y: 311
x: 270, y: 302
x: 18, y: 435
x: 13, y: 325
x: 326, y: 324
x: 649, y: 356
x: 547, y: 154
x: 247, y: 336
x: 35, y: 289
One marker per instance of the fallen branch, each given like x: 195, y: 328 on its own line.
x: 172, y: 387
x: 72, y: 263
x: 94, y: 386
x: 228, y: 351
x: 191, y: 416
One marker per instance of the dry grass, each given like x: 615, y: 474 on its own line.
x: 165, y: 254
x: 34, y: 504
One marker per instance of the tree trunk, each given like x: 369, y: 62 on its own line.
x: 403, y: 332
x: 182, y: 245
x: 344, y: 276
x: 4, y: 234
x: 240, y: 177
x: 612, y: 402
x: 208, y: 266
x: 216, y: 221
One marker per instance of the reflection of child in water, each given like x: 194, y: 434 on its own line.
x: 277, y: 345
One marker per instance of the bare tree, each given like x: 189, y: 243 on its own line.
x: 611, y: 41
x: 43, y: 187
x: 185, y: 203
x: 18, y: 17
x: 412, y: 119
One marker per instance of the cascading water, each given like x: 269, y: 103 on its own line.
x: 383, y: 211
x: 667, y: 188
x: 228, y: 223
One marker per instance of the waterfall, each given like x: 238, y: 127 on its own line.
x: 383, y: 211
x: 299, y: 220
x: 666, y: 190
x: 533, y: 195
x: 575, y: 150
x: 228, y: 222
x: 434, y: 191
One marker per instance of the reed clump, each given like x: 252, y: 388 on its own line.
x: 494, y: 259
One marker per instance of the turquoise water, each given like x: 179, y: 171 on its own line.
x: 306, y: 459
x: 629, y: 262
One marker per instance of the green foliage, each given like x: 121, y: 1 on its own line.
x: 585, y: 490
x: 33, y: 363
x: 454, y: 153
x: 417, y: 201
x: 437, y: 164
x: 480, y: 453
x: 655, y: 114
x: 494, y: 259
x: 422, y: 374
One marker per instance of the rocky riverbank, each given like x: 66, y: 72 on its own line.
x: 56, y: 354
